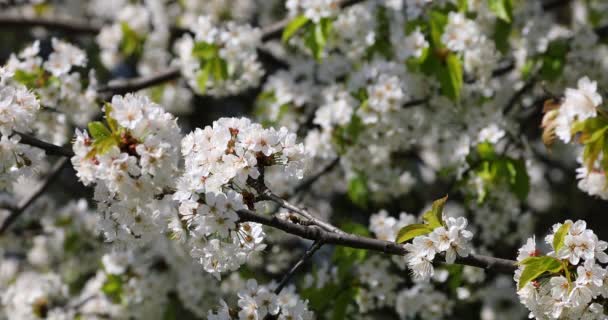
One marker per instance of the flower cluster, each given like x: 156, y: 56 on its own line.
x: 220, y: 60
x: 133, y: 162
x: 36, y: 296
x: 257, y: 302
x: 569, y: 282
x: 18, y: 105
x: 55, y: 81
x: 464, y: 36
x: 386, y: 227
x: 452, y: 239
x: 314, y: 10
x: 220, y: 162
x: 578, y: 113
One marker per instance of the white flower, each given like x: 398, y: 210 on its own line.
x: 581, y: 103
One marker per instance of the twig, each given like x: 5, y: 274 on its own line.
x: 69, y: 25
x: 312, y: 179
x: 268, y: 195
x: 353, y: 241
x: 54, y: 173
x: 311, y: 251
x: 528, y: 85
x: 49, y: 148
x: 122, y: 86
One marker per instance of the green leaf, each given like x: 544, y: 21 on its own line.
x: 357, y: 191
x: 560, y: 236
x: 437, y: 22
x: 554, y: 60
x: 294, y: 25
x: 98, y: 130
x: 341, y: 303
x: 434, y: 217
x: 519, y: 180
x: 202, y: 77
x: 485, y: 150
x: 112, y: 288
x: 28, y: 79
x: 316, y: 37
x: 220, y: 69
x: 205, y: 51
x: 452, y: 80
x: 536, y: 266
x: 131, y: 43
x: 502, y: 9
x: 411, y: 231
x: 111, y: 121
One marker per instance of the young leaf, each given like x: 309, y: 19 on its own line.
x: 411, y: 231
x: 204, y: 50
x: 434, y: 217
x: 202, y: 77
x: 358, y: 191
x: 294, y: 25
x: 560, y: 236
x: 220, y: 69
x: 111, y: 121
x: 453, y: 87
x: 536, y: 266
x: 519, y: 180
x: 502, y: 9
x: 98, y: 130
x: 112, y: 288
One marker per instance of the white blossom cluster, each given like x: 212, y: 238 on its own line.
x: 386, y: 227
x: 579, y: 104
x: 259, y: 301
x: 18, y: 109
x: 55, y: 81
x: 220, y: 60
x: 464, y: 36
x: 35, y: 296
x: 452, y: 239
x: 132, y: 167
x: 220, y: 160
x: 576, y: 292
x: 314, y: 10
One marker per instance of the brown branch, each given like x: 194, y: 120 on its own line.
x: 316, y: 233
x: 122, y: 86
x: 54, y: 173
x: 266, y: 194
x: 69, y: 25
x: 49, y: 148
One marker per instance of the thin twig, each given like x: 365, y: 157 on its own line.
x: 311, y: 251
x: 70, y: 25
x: 359, y: 242
x: 54, y: 173
x: 122, y: 86
x: 312, y: 179
x: 268, y: 195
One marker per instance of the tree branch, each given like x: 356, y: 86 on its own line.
x: 49, y: 148
x: 312, y: 179
x: 69, y: 25
x: 353, y: 241
x: 122, y: 86
x: 266, y: 194
x: 309, y: 253
x: 42, y: 187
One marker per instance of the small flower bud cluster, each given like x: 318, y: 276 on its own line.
x: 258, y: 301
x: 220, y: 161
x: 577, y: 285
x: 452, y: 239
x: 133, y: 164
x: 220, y: 60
